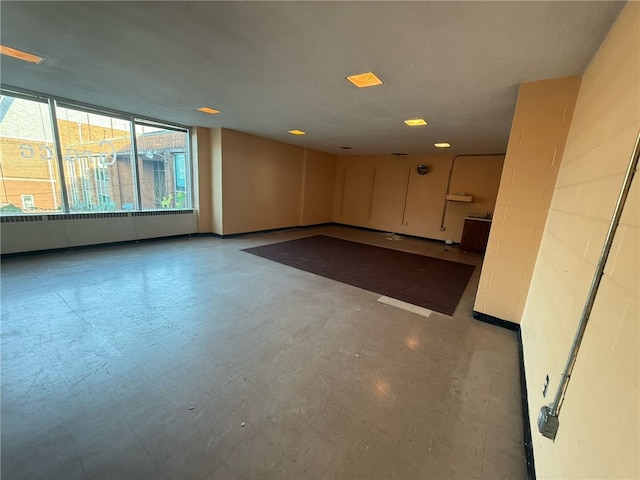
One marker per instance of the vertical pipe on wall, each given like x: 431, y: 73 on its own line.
x: 597, y: 277
x: 344, y: 185
x: 548, y: 419
x: 304, y: 185
x: 406, y: 196
x: 447, y: 192
x: 373, y: 184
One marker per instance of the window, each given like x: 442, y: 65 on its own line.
x: 98, y: 169
x: 95, y: 149
x: 180, y: 176
x: 162, y: 167
x: 103, y: 187
x: 28, y: 163
x: 27, y: 202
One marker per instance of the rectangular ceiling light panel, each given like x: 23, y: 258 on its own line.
x: 210, y: 110
x: 416, y: 122
x: 367, y: 79
x: 20, y: 55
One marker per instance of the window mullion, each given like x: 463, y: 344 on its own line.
x: 189, y: 160
x: 136, y: 176
x: 56, y: 141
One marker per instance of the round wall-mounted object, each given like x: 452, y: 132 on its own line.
x: 422, y: 169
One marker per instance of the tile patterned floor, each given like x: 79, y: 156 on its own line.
x: 190, y: 359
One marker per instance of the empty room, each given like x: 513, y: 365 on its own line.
x: 319, y: 240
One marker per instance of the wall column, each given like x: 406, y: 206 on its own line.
x: 536, y: 143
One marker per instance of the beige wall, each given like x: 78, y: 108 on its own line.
x: 478, y: 176
x: 425, y: 196
x: 202, y: 155
x: 386, y: 192
x: 249, y: 183
x: 538, y: 134
x: 318, y: 184
x: 260, y: 184
x: 599, y: 421
x: 215, y: 145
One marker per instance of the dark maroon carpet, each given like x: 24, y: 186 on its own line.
x: 425, y: 281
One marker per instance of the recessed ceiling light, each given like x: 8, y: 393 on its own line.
x: 20, y: 55
x: 297, y: 132
x: 210, y: 110
x: 367, y: 79
x: 416, y: 122
x: 442, y: 145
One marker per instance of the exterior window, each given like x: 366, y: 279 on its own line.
x: 181, y: 175
x: 87, y: 193
x: 98, y: 169
x: 162, y: 167
x: 103, y: 186
x: 28, y: 162
x: 96, y: 149
x: 28, y: 203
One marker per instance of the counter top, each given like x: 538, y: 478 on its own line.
x: 479, y: 219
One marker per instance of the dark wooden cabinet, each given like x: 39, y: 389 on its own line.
x: 475, y: 235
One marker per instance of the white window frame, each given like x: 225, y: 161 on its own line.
x: 74, y: 173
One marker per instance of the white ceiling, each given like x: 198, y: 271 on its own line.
x: 275, y: 66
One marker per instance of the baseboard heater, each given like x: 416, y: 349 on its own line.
x: 88, y: 216
x: 37, y: 232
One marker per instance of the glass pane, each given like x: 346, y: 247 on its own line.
x: 164, y: 168
x: 97, y: 161
x: 29, y: 177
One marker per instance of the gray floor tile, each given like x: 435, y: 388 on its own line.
x: 191, y: 359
